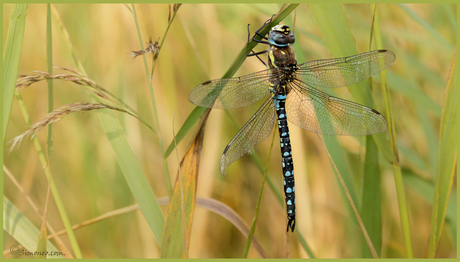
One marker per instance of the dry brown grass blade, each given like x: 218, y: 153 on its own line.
x: 229, y: 214
x: 177, y: 230
x: 57, y: 115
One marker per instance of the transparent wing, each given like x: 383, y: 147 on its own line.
x: 339, y: 72
x: 318, y: 112
x: 233, y: 92
x: 256, y: 130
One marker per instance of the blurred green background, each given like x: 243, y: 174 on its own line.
x: 202, y: 43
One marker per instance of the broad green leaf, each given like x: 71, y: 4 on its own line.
x: 133, y: 173
x: 447, y: 160
x: 371, y: 210
x: 21, y: 229
x: 11, y: 59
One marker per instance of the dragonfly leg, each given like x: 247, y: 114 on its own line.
x: 258, y: 41
x: 257, y: 34
x: 257, y: 55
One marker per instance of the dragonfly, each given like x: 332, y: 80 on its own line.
x: 292, y: 95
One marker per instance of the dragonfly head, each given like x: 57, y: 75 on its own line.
x: 281, y: 36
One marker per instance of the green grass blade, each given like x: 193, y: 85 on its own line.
x: 335, y: 30
x: 20, y: 227
x: 399, y: 184
x: 371, y: 209
x: 133, y: 173
x: 127, y: 161
x: 447, y: 161
x: 11, y: 58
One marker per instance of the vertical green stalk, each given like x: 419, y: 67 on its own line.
x: 49, y: 60
x: 152, y: 95
x: 49, y: 176
x: 401, y: 194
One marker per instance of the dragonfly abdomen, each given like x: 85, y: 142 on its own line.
x: 286, y: 157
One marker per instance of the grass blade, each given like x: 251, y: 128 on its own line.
x: 176, y: 234
x: 401, y: 195
x: 20, y: 227
x: 333, y: 24
x: 233, y: 217
x: 371, y: 209
x: 447, y: 160
x: 11, y: 59
x: 336, y: 33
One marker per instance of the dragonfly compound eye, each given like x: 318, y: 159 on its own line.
x: 281, y: 36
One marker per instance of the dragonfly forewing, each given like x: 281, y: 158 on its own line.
x: 228, y: 93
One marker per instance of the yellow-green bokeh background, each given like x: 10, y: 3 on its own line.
x: 202, y: 43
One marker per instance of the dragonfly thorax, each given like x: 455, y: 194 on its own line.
x: 283, y: 65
